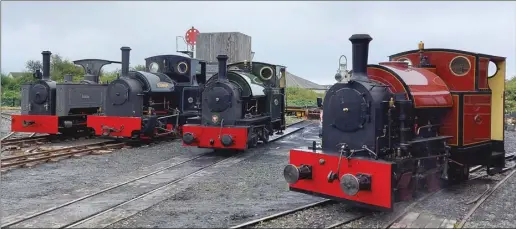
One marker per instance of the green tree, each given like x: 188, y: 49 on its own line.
x: 33, y: 65
x: 61, y: 67
x: 107, y: 77
x: 301, y: 97
x: 11, y: 88
x: 510, y: 95
x: 13, y: 84
x: 5, y: 80
x: 139, y: 67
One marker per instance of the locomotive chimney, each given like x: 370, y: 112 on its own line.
x: 223, y: 69
x: 125, y: 60
x: 360, y: 51
x: 46, y: 65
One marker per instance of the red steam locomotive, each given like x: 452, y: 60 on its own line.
x: 395, y: 128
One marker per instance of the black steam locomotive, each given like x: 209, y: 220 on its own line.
x: 152, y: 103
x: 240, y: 106
x: 51, y: 107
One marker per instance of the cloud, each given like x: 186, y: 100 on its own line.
x: 307, y: 37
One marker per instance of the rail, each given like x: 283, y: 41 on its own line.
x: 351, y: 218
x: 102, y: 212
x: 47, y: 155
x: 477, y: 200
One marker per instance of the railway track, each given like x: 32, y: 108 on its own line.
x: 31, y: 159
x: 298, y: 209
x: 280, y: 214
x: 32, y: 138
x: 24, y: 140
x: 477, y: 200
x: 13, y: 134
x: 352, y: 218
x: 484, y: 197
x: 5, y: 116
x: 109, y: 205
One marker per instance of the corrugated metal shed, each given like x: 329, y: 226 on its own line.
x: 234, y: 44
x: 211, y: 69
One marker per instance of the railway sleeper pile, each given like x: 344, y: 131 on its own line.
x: 37, y: 155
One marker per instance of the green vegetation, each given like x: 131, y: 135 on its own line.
x: 302, y: 97
x: 510, y: 95
x: 60, y: 66
x: 291, y: 119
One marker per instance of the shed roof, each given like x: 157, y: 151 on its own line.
x: 17, y: 74
x: 296, y: 81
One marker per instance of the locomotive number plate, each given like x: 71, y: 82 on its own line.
x: 162, y: 85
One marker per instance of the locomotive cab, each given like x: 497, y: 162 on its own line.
x: 188, y: 76
x: 78, y: 99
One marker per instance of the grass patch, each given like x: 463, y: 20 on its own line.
x: 10, y: 108
x: 291, y: 119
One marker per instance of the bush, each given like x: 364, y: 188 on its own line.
x: 510, y: 95
x: 302, y: 97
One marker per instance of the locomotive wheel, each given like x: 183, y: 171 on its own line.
x: 265, y: 135
x: 254, y: 141
x: 465, y: 172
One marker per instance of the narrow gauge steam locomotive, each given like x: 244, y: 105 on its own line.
x: 153, y: 103
x: 392, y: 129
x: 52, y: 108
x: 239, y: 106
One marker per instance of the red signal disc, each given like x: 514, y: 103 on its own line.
x: 191, y: 36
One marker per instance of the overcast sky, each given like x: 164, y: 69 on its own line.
x: 307, y: 37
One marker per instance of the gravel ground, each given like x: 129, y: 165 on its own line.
x: 499, y: 210
x: 456, y: 198
x: 316, y: 217
x: 256, y: 189
x: 5, y: 125
x: 25, y: 191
